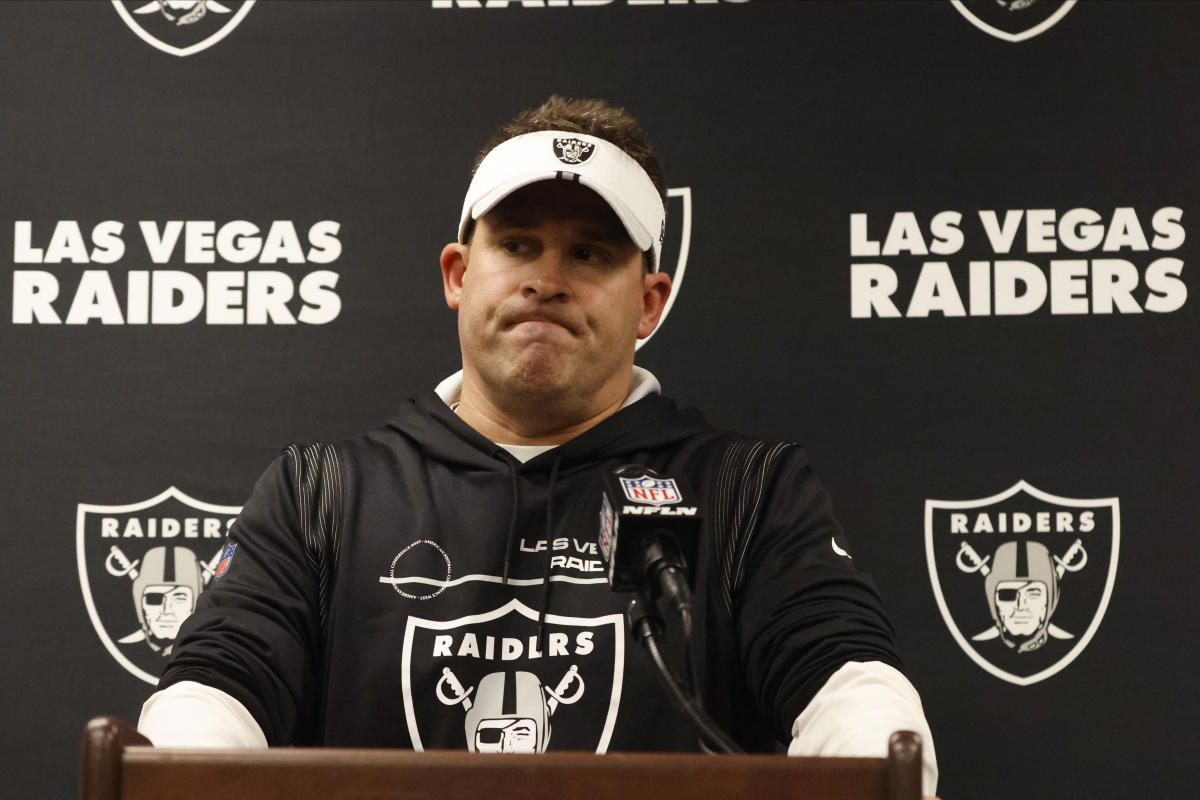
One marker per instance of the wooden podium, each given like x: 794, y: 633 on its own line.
x: 120, y: 764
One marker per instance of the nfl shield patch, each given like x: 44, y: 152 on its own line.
x: 226, y: 560
x: 651, y: 489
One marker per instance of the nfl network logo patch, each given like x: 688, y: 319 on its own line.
x: 651, y: 489
x: 1023, y: 577
x: 182, y: 27
x: 571, y: 150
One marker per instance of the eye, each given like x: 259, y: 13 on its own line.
x: 519, y: 246
x: 590, y: 254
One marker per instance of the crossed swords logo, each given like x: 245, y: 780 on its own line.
x: 118, y: 565
x: 1073, y: 560
x: 188, y: 11
x: 557, y: 695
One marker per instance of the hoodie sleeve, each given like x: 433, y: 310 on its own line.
x: 801, y: 610
x: 255, y: 633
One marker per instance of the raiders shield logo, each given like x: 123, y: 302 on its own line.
x: 488, y: 683
x: 676, y: 239
x: 1013, y: 20
x: 182, y: 27
x: 141, y: 568
x: 1022, y: 578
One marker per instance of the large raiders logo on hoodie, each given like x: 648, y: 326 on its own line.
x: 1022, y: 578
x: 490, y: 683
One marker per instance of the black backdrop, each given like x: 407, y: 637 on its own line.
x: 783, y: 119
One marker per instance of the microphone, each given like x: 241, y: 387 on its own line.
x: 643, y: 518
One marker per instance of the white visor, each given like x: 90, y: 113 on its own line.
x: 592, y: 162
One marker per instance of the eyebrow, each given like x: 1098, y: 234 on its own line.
x: 608, y: 234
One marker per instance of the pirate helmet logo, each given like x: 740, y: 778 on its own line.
x: 511, y: 711
x: 1022, y: 590
x: 164, y: 593
x: 1022, y: 578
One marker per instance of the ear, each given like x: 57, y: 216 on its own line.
x: 454, y: 267
x: 656, y: 288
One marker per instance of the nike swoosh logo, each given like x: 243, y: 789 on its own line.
x: 837, y: 549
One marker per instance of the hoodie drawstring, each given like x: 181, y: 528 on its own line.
x: 541, y: 634
x: 512, y: 520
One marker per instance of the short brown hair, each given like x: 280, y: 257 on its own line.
x: 592, y: 117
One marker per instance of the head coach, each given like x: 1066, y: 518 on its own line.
x: 435, y: 583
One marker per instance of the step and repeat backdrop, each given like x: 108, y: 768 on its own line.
x: 948, y: 246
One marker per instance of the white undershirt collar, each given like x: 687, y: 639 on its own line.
x: 641, y: 383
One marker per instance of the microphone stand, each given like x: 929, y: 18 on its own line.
x: 648, y: 629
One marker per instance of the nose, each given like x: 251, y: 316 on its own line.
x: 545, y: 277
x: 171, y: 605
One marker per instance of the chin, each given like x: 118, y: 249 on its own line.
x: 541, y: 384
x: 541, y: 373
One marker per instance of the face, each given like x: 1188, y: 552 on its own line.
x: 1021, y: 606
x: 551, y: 297
x: 506, y: 736
x: 165, y: 606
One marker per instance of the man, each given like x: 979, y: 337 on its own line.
x: 436, y: 582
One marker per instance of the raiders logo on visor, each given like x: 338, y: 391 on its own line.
x: 570, y: 150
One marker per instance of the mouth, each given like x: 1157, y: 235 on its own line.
x: 540, y: 322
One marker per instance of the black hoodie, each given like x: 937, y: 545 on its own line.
x: 390, y: 591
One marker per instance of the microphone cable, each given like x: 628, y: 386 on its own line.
x: 647, y: 627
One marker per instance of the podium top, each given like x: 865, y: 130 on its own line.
x: 120, y: 763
